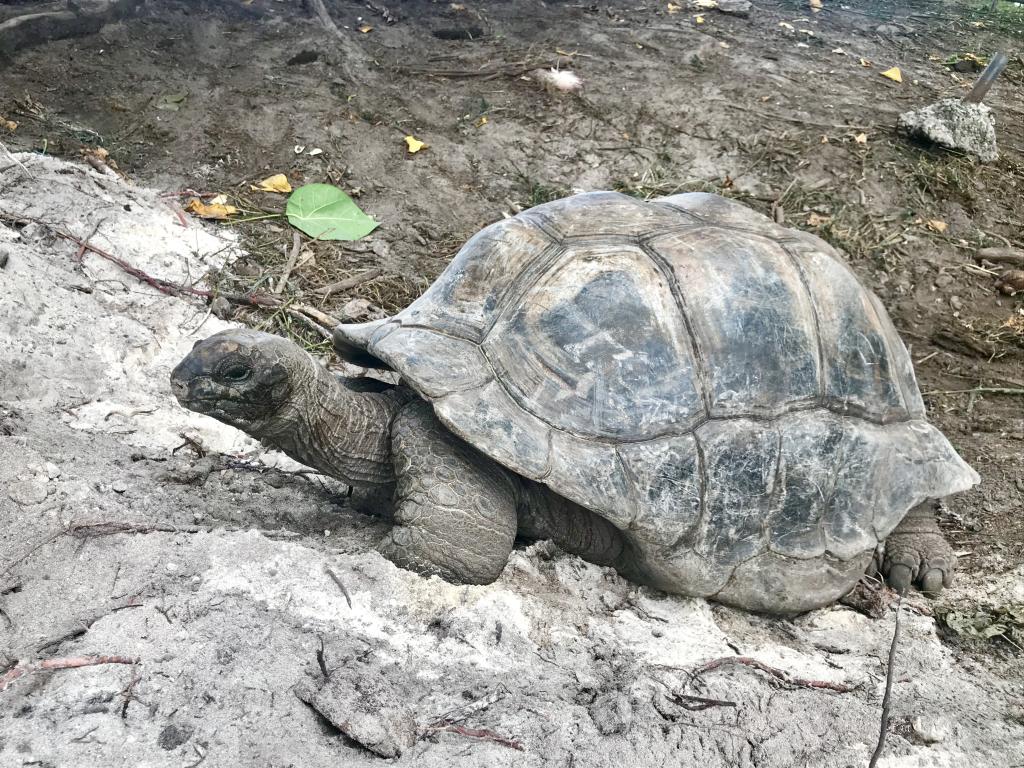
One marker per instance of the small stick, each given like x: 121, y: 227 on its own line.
x: 341, y: 585
x: 479, y: 733
x: 987, y: 78
x: 699, y: 703
x: 321, y: 317
x: 321, y: 659
x: 325, y: 18
x: 73, y: 662
x: 886, y: 699
x: 16, y: 160
x: 290, y: 265
x: 127, y: 694
x: 977, y: 390
x: 82, y: 248
x: 778, y: 674
x: 349, y: 282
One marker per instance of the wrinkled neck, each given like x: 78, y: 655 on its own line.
x: 330, y: 428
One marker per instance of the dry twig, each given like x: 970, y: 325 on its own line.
x: 341, y: 585
x: 778, y: 674
x: 886, y: 699
x: 290, y: 265
x: 73, y: 662
x: 349, y: 282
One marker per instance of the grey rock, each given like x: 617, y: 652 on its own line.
x: 612, y: 713
x: 954, y: 124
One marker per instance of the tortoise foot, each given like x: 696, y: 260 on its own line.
x: 917, y: 554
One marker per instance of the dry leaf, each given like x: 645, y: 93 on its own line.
x: 816, y: 219
x: 786, y: 25
x: 866, y: 63
x: 10, y: 125
x: 703, y: 5
x: 673, y: 8
x: 211, y: 210
x: 414, y: 144
x: 366, y: 28
x: 698, y: 19
x: 893, y: 74
x: 815, y: 5
x: 457, y: 7
x: 861, y: 138
x: 276, y: 183
x: 937, y: 225
x: 482, y: 121
x: 824, y: 139
x: 314, y: 152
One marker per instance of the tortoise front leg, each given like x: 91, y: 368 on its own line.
x: 455, y: 511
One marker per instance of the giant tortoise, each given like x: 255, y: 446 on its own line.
x: 679, y: 388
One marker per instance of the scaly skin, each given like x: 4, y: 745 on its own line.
x: 456, y: 512
x: 917, y: 553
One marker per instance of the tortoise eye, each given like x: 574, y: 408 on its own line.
x: 235, y: 372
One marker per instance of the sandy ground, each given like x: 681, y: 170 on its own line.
x: 119, y: 538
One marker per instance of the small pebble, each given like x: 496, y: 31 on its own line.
x: 171, y: 567
x: 119, y: 486
x: 930, y: 730
x: 52, y: 470
x: 27, y: 492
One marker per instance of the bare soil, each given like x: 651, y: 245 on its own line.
x: 783, y: 109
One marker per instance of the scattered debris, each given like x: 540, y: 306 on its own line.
x: 734, y: 7
x: 414, y: 145
x: 986, y: 623
x: 893, y: 74
x: 1011, y: 282
x: 276, y: 183
x: 778, y: 674
x: 554, y: 80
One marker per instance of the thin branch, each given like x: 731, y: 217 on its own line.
x: 290, y: 265
x: 349, y: 282
x: 341, y: 585
x: 886, y: 699
x: 74, y: 662
x: 479, y: 733
x: 977, y: 390
x: 778, y: 674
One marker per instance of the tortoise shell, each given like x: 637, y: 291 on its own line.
x: 720, y: 387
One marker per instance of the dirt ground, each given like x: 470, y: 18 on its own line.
x: 220, y: 586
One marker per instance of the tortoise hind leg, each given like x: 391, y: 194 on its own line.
x: 455, y: 511
x: 917, y: 553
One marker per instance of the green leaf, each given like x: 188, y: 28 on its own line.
x: 326, y: 213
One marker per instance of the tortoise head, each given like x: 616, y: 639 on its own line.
x: 240, y: 376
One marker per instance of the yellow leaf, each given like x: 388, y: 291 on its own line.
x: 673, y: 8
x: 10, y: 125
x: 861, y: 138
x: 824, y: 139
x: 482, y: 121
x: 276, y: 183
x: 210, y: 210
x: 937, y: 225
x: 893, y: 74
x: 698, y: 19
x: 366, y: 28
x: 815, y: 5
x: 414, y: 144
